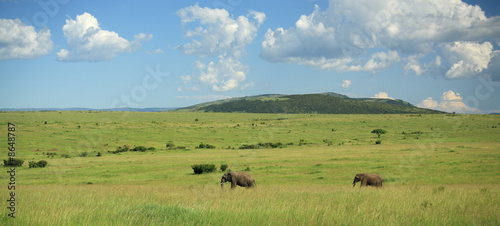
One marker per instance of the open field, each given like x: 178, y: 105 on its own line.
x: 438, y: 169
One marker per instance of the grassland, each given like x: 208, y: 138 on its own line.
x: 438, y: 169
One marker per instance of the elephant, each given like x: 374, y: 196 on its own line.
x: 368, y: 180
x: 238, y: 178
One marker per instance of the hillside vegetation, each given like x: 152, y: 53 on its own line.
x: 325, y: 103
x: 438, y: 169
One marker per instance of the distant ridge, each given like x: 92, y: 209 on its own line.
x: 322, y: 103
x: 89, y: 109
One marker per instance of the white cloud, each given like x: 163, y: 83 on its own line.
x: 20, y: 41
x: 222, y: 36
x: 468, y: 59
x: 382, y: 95
x: 450, y: 102
x: 355, y: 35
x: 88, y: 42
x: 219, y: 33
x: 224, y: 75
x: 346, y: 84
x: 186, y: 79
x: 378, y: 62
x: 157, y: 51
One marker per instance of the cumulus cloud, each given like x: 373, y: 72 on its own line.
x: 382, y: 95
x: 377, y: 62
x: 224, y: 75
x: 468, y: 59
x: 223, y: 36
x: 88, y: 42
x: 20, y: 41
x: 371, y: 35
x: 346, y: 84
x: 450, y: 102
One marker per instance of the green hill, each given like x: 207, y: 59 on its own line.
x: 324, y: 103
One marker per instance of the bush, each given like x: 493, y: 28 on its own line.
x: 262, y: 145
x: 223, y: 167
x: 13, y: 162
x: 378, y: 142
x: 205, y: 146
x: 203, y: 168
x: 139, y: 148
x: 125, y: 148
x: 170, y: 145
x: 39, y: 164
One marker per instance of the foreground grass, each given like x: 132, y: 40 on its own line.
x: 265, y: 205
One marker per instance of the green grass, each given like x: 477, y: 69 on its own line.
x: 442, y: 170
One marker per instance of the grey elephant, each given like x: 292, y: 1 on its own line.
x: 238, y: 178
x: 368, y: 180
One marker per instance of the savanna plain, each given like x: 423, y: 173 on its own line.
x: 440, y: 169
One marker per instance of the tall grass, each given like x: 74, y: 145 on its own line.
x: 265, y: 205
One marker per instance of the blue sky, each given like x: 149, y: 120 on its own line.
x: 102, y: 54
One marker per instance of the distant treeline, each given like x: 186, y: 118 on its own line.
x: 316, y: 103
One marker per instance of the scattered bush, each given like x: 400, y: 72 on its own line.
x: 13, y: 162
x: 247, y: 169
x: 378, y: 142
x: 83, y: 154
x: 126, y: 148
x: 39, y: 164
x: 223, y: 167
x: 262, y: 145
x: 139, y: 148
x: 170, y: 145
x: 203, y: 168
x: 99, y: 154
x: 205, y: 146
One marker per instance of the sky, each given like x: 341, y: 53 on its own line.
x: 441, y: 55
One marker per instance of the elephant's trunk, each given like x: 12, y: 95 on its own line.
x: 221, y: 185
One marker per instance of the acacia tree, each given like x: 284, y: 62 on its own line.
x: 379, y: 132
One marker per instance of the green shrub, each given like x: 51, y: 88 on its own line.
x: 170, y: 145
x: 262, y: 145
x: 205, y: 146
x: 39, y: 164
x: 223, y: 167
x: 13, y: 162
x: 139, y: 148
x: 203, y: 168
x: 378, y: 142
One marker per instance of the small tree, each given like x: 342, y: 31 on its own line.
x: 379, y: 132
